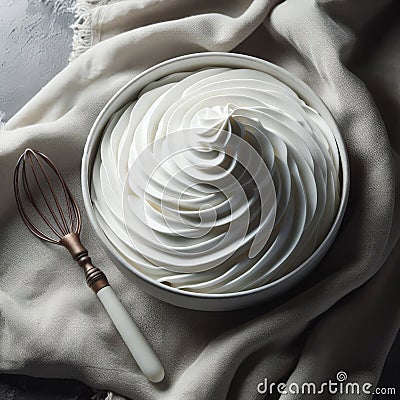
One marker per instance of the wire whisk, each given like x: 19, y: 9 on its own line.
x: 50, y: 211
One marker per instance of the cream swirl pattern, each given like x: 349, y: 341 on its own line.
x: 216, y: 181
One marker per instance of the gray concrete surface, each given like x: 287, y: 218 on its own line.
x: 35, y: 43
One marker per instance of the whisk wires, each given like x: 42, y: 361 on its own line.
x: 34, y: 170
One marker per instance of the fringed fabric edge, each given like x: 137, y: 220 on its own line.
x: 82, y: 27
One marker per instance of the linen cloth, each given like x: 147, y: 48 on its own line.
x: 343, y: 317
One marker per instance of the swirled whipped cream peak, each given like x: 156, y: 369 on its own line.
x: 216, y: 181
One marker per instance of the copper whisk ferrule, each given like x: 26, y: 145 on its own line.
x: 95, y: 278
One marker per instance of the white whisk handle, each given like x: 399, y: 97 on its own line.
x: 137, y: 344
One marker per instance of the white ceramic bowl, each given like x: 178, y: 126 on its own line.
x: 200, y: 301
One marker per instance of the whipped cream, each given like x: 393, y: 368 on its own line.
x: 216, y: 181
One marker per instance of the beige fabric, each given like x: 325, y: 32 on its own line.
x: 343, y: 317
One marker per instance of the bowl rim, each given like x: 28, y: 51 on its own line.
x: 292, y: 81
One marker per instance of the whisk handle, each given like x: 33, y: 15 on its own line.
x: 137, y: 344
